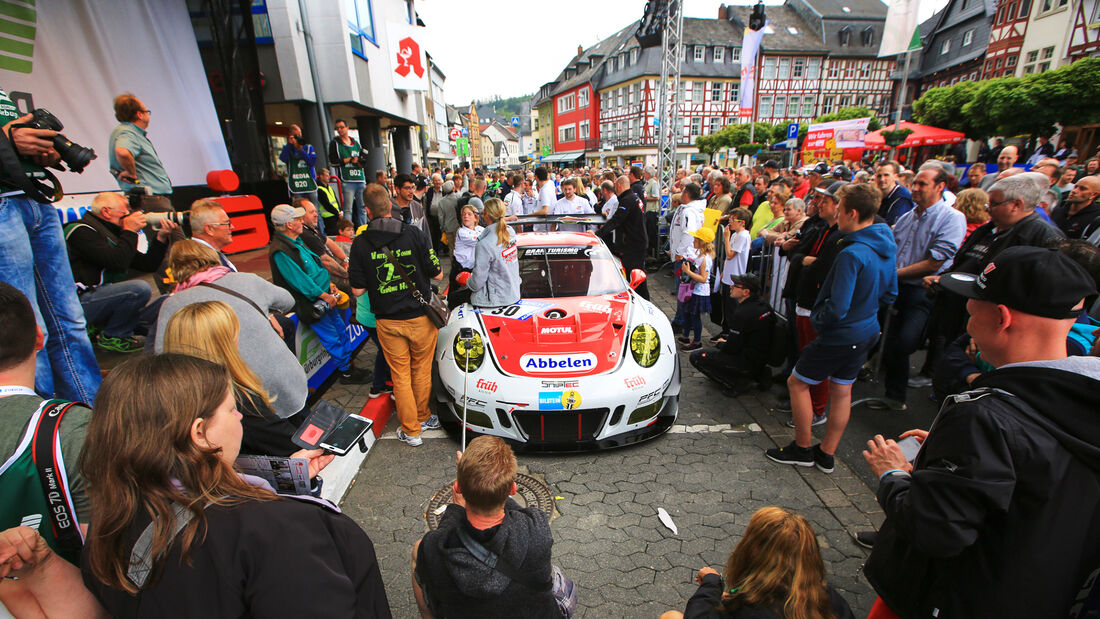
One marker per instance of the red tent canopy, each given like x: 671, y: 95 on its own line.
x: 922, y: 135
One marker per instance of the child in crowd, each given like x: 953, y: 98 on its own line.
x: 736, y: 237
x: 345, y: 234
x: 698, y: 271
x: 776, y: 570
x: 463, y: 261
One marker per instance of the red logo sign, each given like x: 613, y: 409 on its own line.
x: 486, y: 385
x: 408, y: 58
x: 635, y: 382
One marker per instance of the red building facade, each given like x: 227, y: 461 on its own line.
x: 576, y: 118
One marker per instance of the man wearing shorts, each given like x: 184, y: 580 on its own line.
x: 862, y: 280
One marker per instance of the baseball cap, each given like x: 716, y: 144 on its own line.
x: 842, y: 172
x: 449, y: 187
x: 1033, y: 280
x: 821, y: 169
x: 423, y: 183
x: 771, y: 163
x: 283, y: 213
x: 704, y: 234
x: 833, y: 188
x: 747, y: 280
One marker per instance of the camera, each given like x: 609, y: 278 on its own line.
x: 76, y: 156
x: 177, y: 217
x: 320, y: 306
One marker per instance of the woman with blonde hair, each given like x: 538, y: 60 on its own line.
x: 177, y: 532
x: 776, y: 571
x: 201, y: 277
x: 210, y: 330
x: 974, y: 203
x: 495, y: 276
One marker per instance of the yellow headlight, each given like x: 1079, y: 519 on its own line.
x: 469, y: 353
x: 645, y: 345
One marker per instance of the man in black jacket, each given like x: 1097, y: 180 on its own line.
x: 405, y: 333
x: 103, y: 247
x: 996, y: 517
x: 742, y: 358
x: 631, y: 239
x: 637, y: 184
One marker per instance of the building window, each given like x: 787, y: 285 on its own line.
x: 696, y: 125
x: 1029, y: 69
x: 1044, y: 66
x: 784, y: 68
x: 845, y: 36
x: 1048, y: 53
x: 1033, y: 55
x: 849, y: 69
x: 719, y: 54
x: 845, y: 101
x: 945, y: 46
x: 1047, y: 5
x: 621, y: 97
x: 700, y: 51
x: 865, y: 69
x: 968, y: 37
x: 827, y: 105
x: 735, y: 91
x: 792, y: 105
x: 634, y: 56
x: 867, y: 36
x: 973, y: 75
x: 584, y: 129
x: 769, y: 68
x: 780, y: 110
x: 1010, y: 61
x: 999, y: 63
x: 813, y: 68
x: 630, y: 95
x: 1025, y: 6
x: 567, y: 133
x: 735, y: 54
x: 807, y: 107
x: 715, y: 124
x: 716, y: 90
x: 566, y: 103
x: 582, y: 97
x: 697, y: 91
x: 798, y: 68
x: 834, y: 69
x: 765, y: 107
x: 360, y: 24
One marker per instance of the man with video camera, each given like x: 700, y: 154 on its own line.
x: 299, y: 157
x: 32, y: 258
x: 103, y: 245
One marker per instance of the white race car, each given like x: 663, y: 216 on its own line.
x: 581, y: 362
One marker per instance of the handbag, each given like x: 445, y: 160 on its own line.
x: 435, y: 308
x: 683, y: 293
x: 560, y: 585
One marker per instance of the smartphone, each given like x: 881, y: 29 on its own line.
x: 346, y: 434
x: 909, y: 448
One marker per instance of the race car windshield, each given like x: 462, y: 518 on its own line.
x: 569, y: 271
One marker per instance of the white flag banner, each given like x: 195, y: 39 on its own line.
x: 900, y: 28
x: 407, y: 59
x: 750, y: 47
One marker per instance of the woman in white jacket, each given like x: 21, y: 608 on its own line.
x: 495, y: 277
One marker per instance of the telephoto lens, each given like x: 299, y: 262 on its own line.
x: 178, y: 217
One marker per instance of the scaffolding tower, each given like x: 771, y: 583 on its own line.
x: 670, y: 125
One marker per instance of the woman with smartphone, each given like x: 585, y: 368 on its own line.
x: 176, y: 531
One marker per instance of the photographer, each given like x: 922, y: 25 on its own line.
x: 103, y: 245
x: 32, y: 259
x: 299, y: 157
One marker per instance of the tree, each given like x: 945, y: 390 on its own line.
x: 708, y: 144
x: 849, y: 113
x: 941, y: 107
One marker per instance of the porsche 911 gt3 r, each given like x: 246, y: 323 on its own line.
x: 581, y: 362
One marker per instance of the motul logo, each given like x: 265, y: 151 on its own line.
x: 556, y: 330
x: 486, y: 385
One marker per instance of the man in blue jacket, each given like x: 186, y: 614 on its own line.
x: 862, y: 279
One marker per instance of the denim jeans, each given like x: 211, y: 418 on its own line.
x: 353, y: 202
x: 381, y: 368
x: 116, y: 308
x: 33, y: 259
x: 903, y: 337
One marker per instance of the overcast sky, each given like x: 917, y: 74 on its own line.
x: 510, y: 48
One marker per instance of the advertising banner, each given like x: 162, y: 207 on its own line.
x: 824, y: 141
x: 407, y: 59
x: 73, y: 58
x: 750, y: 46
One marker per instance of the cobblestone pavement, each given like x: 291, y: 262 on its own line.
x: 708, y: 472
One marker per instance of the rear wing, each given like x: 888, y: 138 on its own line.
x: 594, y: 220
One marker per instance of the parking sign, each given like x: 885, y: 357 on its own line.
x: 792, y: 131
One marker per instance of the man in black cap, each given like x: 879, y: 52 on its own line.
x: 771, y: 171
x: 841, y: 173
x: 996, y: 515
x: 742, y: 357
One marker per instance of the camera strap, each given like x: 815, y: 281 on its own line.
x: 14, y: 175
x: 46, y: 453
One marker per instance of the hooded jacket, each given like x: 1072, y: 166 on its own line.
x: 999, y: 516
x: 457, y: 584
x: 495, y: 277
x: 863, y: 278
x: 389, y: 293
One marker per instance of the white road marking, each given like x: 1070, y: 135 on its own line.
x: 723, y: 428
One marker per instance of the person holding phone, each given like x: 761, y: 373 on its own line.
x: 159, y: 458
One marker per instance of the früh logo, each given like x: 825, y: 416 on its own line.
x: 486, y: 385
x: 408, y: 58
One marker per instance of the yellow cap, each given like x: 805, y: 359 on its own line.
x: 704, y: 234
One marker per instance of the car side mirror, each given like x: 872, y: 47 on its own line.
x: 637, y: 276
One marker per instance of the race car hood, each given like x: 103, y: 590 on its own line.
x: 574, y: 336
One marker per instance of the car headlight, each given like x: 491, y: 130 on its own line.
x: 645, y: 345
x: 469, y: 353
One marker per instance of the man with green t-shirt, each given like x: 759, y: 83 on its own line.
x: 345, y: 153
x: 299, y: 157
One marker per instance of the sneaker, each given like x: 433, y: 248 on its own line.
x: 414, y: 441
x: 691, y: 346
x: 783, y: 406
x: 431, y: 424
x: 884, y: 404
x: 866, y: 538
x: 791, y: 454
x: 354, y: 376
x: 377, y: 392
x: 127, y: 344
x: 918, y: 382
x: 683, y: 340
x: 721, y: 336
x: 823, y: 461
x: 819, y: 420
